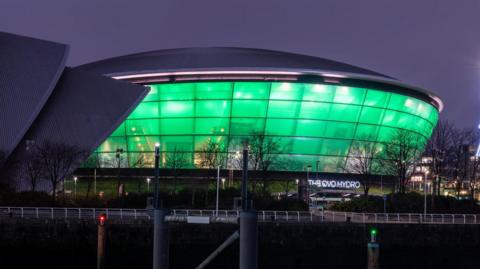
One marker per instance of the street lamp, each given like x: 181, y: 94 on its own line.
x: 307, y: 186
x: 148, y: 184
x: 75, y: 187
x: 223, y: 183
x: 425, y: 194
x: 218, y: 187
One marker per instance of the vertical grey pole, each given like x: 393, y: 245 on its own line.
x: 248, y: 240
x: 245, y: 205
x: 425, y: 195
x: 248, y: 225
x: 160, y: 227
x: 101, y: 246
x: 218, y: 187
x: 95, y: 181
x: 160, y: 239
x: 373, y: 252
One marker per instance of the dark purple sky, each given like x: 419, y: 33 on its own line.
x: 433, y: 44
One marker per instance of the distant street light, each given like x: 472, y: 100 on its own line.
x: 148, y: 184
x: 223, y: 183
x: 425, y: 194
x: 218, y: 187
x: 75, y: 187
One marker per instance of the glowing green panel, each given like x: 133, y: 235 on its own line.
x: 318, y: 92
x: 339, y: 130
x: 178, y: 143
x: 214, y: 90
x: 249, y: 108
x: 302, y: 145
x: 371, y: 115
x: 311, y: 128
x: 145, y: 110
x: 251, y: 90
x: 120, y: 130
x: 213, y: 108
x: 143, y: 127
x: 152, y: 94
x: 180, y: 91
x: 344, y: 112
x: 142, y: 143
x: 314, y: 110
x: 334, y: 147
x: 376, y: 98
x: 280, y: 127
x: 217, y: 126
x: 246, y: 126
x: 310, y: 121
x: 283, y: 109
x: 366, y: 132
x: 112, y: 144
x: 176, y: 126
x: 201, y: 142
x: 349, y: 95
x: 177, y: 109
x: 286, y: 91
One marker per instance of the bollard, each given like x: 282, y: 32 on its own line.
x: 373, y: 251
x: 160, y: 239
x: 101, y: 241
x: 248, y: 240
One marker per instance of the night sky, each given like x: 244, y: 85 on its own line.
x: 434, y: 44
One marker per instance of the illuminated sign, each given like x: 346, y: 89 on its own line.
x: 335, y: 184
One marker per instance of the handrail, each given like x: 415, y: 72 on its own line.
x: 264, y: 215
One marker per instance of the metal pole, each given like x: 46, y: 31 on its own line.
x: 245, y: 205
x: 218, y: 187
x: 160, y: 226
x: 217, y: 251
x: 160, y: 240
x: 101, y: 246
x: 156, y: 198
x: 373, y: 251
x: 95, y: 181
x: 425, y: 195
x: 248, y: 240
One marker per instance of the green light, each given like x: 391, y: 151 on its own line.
x: 310, y: 121
x: 373, y: 231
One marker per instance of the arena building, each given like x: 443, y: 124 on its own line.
x: 315, y: 110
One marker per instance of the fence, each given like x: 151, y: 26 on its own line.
x: 263, y: 216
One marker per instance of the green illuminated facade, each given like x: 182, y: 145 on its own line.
x: 309, y: 121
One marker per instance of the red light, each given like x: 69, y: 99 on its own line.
x: 102, y: 218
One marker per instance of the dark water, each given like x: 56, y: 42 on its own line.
x: 73, y: 245
x: 336, y: 257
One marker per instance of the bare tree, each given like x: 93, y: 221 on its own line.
x: 264, y: 153
x: 176, y: 160
x: 32, y: 167
x: 57, y: 160
x: 364, y: 160
x: 399, y: 158
x: 438, y: 148
x: 458, y: 157
x: 212, y: 154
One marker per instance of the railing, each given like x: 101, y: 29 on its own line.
x: 263, y: 216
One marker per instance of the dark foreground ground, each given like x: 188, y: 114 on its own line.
x: 49, y: 244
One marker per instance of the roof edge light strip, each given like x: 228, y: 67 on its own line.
x: 166, y: 74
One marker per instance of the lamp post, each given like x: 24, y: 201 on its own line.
x: 75, y: 188
x: 118, y: 155
x: 307, y: 186
x: 160, y: 226
x: 218, y: 187
x: 223, y: 183
x: 148, y: 184
x: 425, y: 194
